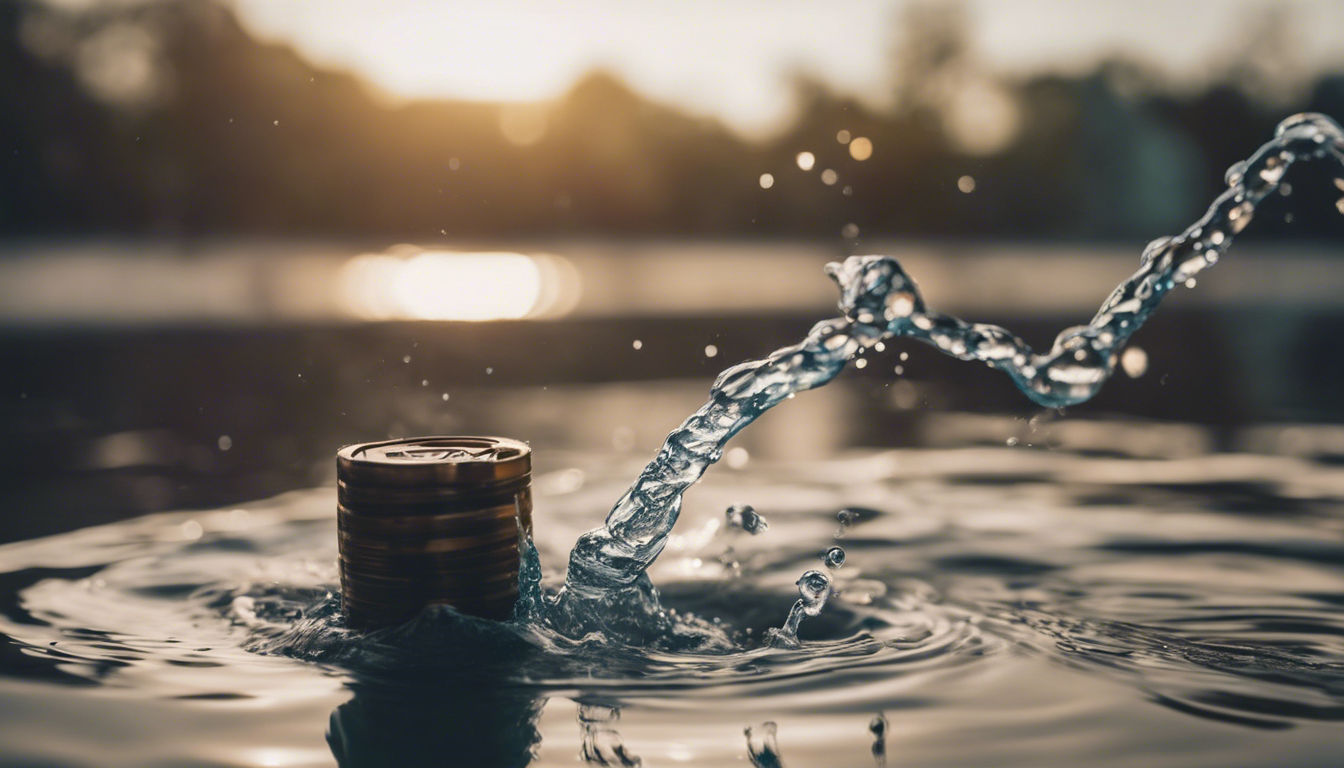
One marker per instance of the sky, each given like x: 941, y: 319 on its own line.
x: 732, y: 59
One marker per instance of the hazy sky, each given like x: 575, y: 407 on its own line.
x: 731, y: 58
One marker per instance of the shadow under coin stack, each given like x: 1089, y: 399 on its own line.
x: 431, y: 520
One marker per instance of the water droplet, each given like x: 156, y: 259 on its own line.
x: 1012, y: 441
x: 224, y: 442
x: 849, y: 231
x: 406, y: 359
x: 489, y: 371
x: 744, y: 516
x: 424, y: 382
x: 806, y: 160
x: 905, y: 356
x: 762, y: 745
x: 878, y: 727
x: 829, y: 177
x: 834, y: 558
x: 861, y: 363
x: 711, y: 350
x: 847, y: 518
x: 767, y: 181
x: 813, y: 588
x: 966, y: 184
x: 842, y: 137
x: 880, y: 347
x: 445, y: 397
x: 637, y: 344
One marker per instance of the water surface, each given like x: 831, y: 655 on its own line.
x: 1006, y: 606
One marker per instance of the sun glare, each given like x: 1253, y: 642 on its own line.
x: 437, y: 285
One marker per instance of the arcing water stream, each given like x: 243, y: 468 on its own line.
x: 879, y: 301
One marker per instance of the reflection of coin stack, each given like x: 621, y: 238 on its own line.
x: 432, y: 520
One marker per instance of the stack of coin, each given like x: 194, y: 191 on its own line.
x: 431, y: 520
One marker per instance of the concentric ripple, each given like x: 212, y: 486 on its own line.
x: 1016, y: 592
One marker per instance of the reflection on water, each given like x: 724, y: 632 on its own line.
x: 437, y: 285
x: 1008, y: 605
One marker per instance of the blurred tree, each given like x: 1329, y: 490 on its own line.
x: 166, y: 117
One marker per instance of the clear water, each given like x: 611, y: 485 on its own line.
x: 995, y: 606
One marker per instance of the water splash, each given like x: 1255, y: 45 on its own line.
x: 814, y: 587
x: 879, y: 301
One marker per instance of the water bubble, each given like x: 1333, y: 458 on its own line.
x: 834, y: 558
x: 745, y: 517
x: 1236, y: 172
x: 767, y: 181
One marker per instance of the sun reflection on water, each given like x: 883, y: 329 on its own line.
x: 440, y: 285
